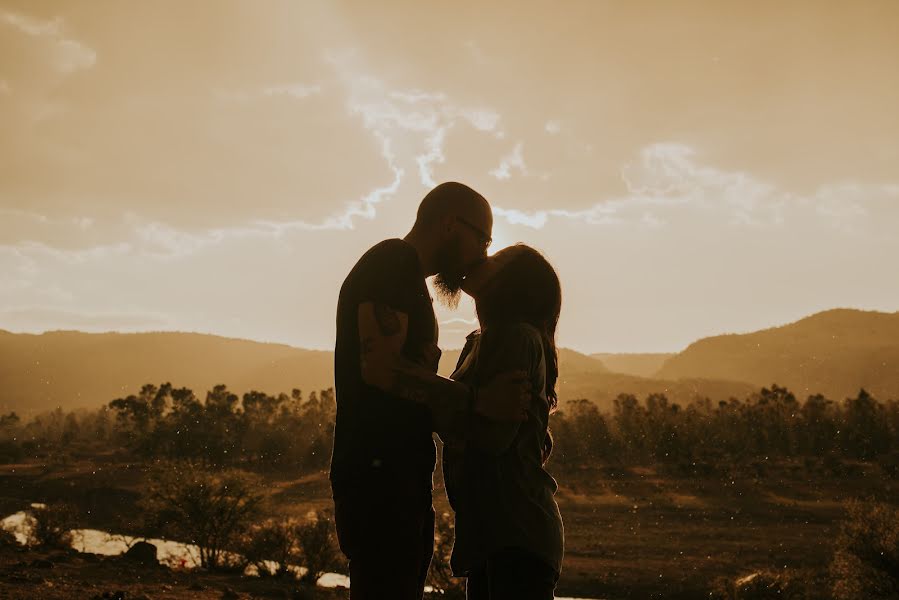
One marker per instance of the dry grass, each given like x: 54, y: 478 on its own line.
x: 630, y: 532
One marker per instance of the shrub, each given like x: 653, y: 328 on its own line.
x: 210, y: 509
x: 272, y: 542
x: 317, y: 542
x: 866, y: 553
x: 51, y: 526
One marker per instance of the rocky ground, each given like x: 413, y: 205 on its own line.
x: 39, y: 574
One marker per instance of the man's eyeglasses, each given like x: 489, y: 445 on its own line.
x: 483, y: 238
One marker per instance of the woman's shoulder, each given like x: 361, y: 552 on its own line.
x: 516, y: 332
x: 514, y: 340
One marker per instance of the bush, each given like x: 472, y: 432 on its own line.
x: 272, y: 542
x: 51, y: 526
x: 210, y: 509
x: 866, y: 553
x: 317, y: 542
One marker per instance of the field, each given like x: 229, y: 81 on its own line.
x: 631, y: 532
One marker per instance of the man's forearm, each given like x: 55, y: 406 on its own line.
x: 450, y: 401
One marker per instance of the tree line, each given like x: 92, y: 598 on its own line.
x: 258, y: 431
x: 771, y: 423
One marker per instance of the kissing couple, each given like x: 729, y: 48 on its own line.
x: 492, y: 414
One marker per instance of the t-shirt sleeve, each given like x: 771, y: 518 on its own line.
x: 391, y: 277
x: 512, y: 349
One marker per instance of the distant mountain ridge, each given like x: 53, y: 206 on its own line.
x: 642, y: 364
x: 74, y: 369
x: 834, y: 352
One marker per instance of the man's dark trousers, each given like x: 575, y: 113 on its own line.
x: 387, y: 533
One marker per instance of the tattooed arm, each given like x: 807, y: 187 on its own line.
x: 382, y: 334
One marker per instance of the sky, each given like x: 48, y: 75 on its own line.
x: 690, y: 168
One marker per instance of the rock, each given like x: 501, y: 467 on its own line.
x: 143, y: 553
x: 41, y: 563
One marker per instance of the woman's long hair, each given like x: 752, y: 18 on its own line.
x: 527, y: 290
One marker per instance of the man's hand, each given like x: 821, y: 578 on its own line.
x: 505, y: 398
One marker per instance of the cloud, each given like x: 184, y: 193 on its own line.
x: 294, y: 90
x: 48, y: 318
x: 667, y: 185
x: 553, y: 127
x: 434, y: 155
x: 68, y: 55
x: 482, y: 119
x: 415, y: 121
x: 459, y: 320
x: 515, y: 160
x: 31, y: 26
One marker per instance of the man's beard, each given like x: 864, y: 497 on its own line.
x: 449, y: 290
x: 448, y: 282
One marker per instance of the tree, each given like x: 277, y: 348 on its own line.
x: 866, y: 433
x: 211, y: 510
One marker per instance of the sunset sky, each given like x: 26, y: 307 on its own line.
x: 691, y: 168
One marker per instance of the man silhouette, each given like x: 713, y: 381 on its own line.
x: 390, y: 399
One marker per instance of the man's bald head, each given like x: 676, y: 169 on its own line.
x: 456, y: 223
x: 454, y: 200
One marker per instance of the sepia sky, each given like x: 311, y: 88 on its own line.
x: 691, y: 168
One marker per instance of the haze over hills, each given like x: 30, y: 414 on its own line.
x: 74, y: 369
x: 637, y: 363
x: 834, y: 352
x: 583, y: 376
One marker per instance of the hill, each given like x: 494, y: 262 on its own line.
x: 73, y: 369
x: 835, y: 353
x: 640, y: 364
x: 583, y: 376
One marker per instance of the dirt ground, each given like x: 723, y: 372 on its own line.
x: 631, y: 532
x: 54, y: 575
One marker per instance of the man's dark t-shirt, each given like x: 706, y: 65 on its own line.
x: 378, y: 436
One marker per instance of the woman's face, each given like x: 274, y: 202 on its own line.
x: 480, y: 278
